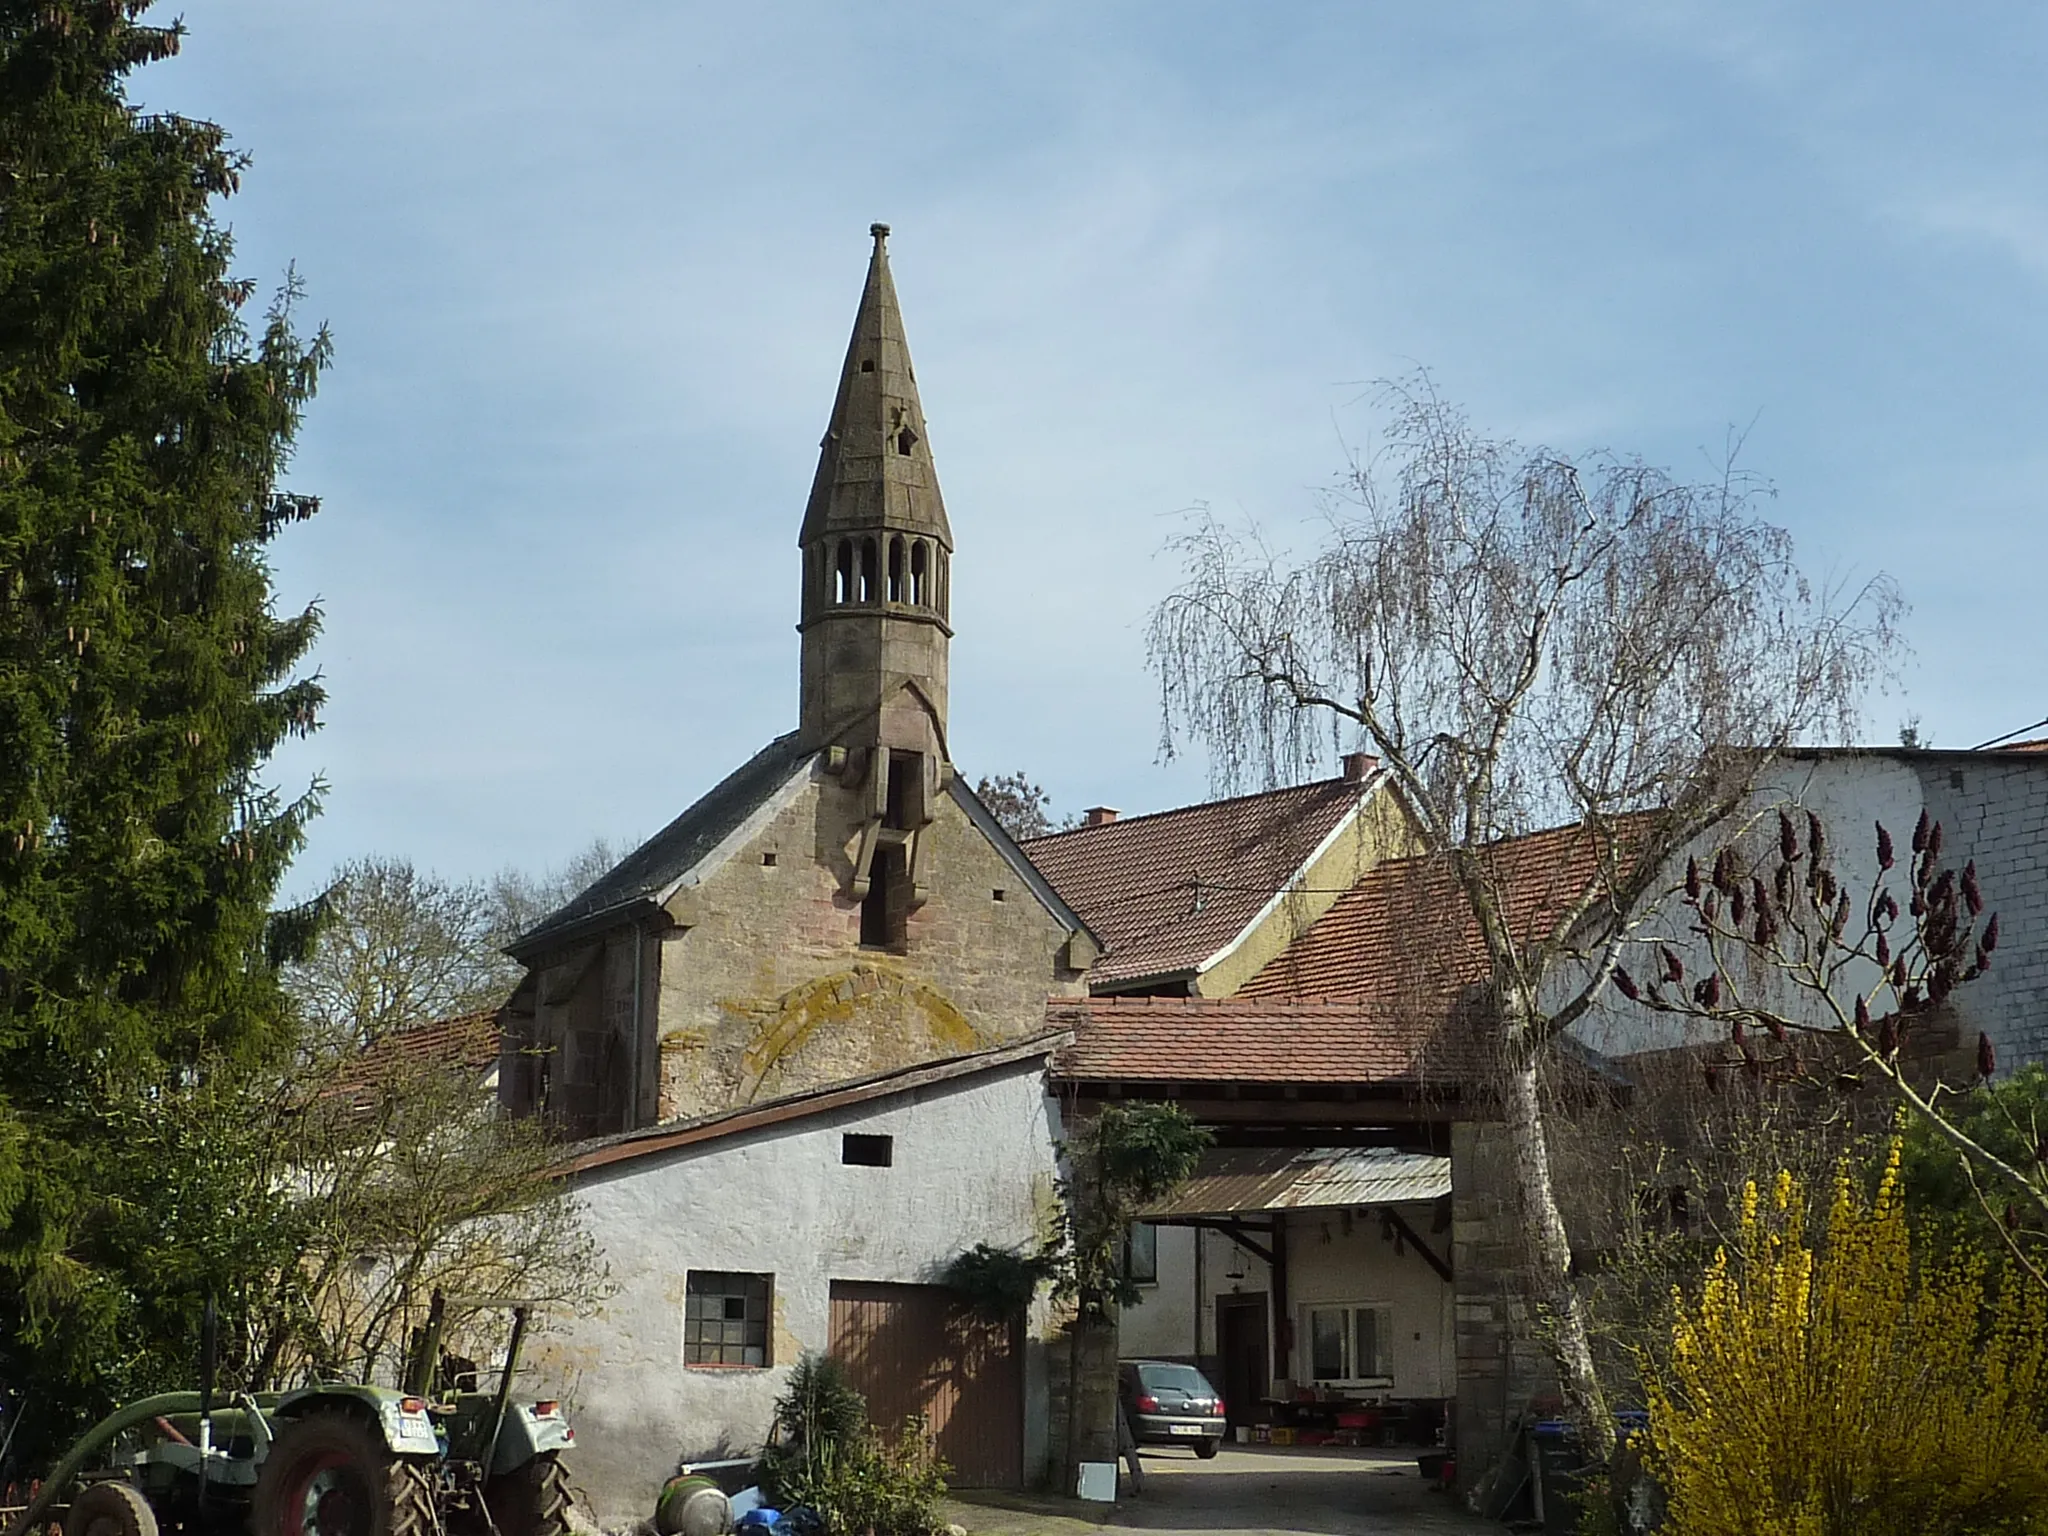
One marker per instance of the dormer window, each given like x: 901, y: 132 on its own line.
x: 905, y: 441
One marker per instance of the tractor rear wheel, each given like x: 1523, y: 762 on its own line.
x: 110, y: 1509
x: 532, y: 1500
x: 331, y: 1474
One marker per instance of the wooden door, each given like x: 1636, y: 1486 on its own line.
x: 911, y: 1349
x: 1241, y: 1344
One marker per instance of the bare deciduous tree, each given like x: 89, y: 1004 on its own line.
x: 1023, y: 807
x: 1524, y: 639
x: 398, y: 947
x: 519, y: 900
x: 405, y: 1179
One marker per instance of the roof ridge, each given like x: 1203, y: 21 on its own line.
x: 1369, y: 782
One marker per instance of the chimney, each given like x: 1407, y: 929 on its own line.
x: 1098, y: 816
x: 1358, y: 766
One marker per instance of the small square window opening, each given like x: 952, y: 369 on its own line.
x: 767, y: 861
x: 725, y: 1319
x: 858, y: 1151
x: 999, y: 894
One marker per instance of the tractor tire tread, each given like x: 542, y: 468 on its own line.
x: 533, y: 1500
x: 409, y: 1492
x: 402, y: 1485
x: 120, y: 1502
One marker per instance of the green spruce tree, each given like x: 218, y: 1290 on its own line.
x: 145, y: 680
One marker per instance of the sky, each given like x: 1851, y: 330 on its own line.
x: 589, y: 271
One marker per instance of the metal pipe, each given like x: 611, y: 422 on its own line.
x: 89, y: 1446
x: 419, y: 1380
x: 209, y: 1364
x: 505, y: 1387
x: 633, y: 1045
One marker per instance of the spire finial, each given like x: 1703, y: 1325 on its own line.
x: 880, y: 232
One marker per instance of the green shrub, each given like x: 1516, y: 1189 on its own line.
x: 824, y: 1455
x: 996, y: 1284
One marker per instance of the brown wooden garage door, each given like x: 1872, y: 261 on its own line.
x: 911, y: 1349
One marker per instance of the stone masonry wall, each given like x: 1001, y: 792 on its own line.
x: 1501, y: 1364
x: 1994, y: 809
x: 764, y: 988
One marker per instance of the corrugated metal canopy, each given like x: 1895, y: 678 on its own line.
x: 1242, y: 1181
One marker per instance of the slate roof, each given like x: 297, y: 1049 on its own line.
x: 1193, y: 1040
x: 1404, y: 938
x: 1167, y: 892
x: 647, y: 872
x: 1248, y: 1181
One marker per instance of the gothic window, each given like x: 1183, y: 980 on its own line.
x: 920, y: 574
x: 842, y: 590
x: 896, y: 570
x: 905, y: 441
x: 867, y: 570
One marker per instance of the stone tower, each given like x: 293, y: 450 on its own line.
x: 877, y: 568
x: 877, y: 552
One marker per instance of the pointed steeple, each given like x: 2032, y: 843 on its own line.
x: 875, y: 465
x: 877, y: 551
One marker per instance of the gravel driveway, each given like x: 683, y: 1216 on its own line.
x: 1248, y: 1490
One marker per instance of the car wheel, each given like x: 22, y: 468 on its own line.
x: 1206, y: 1449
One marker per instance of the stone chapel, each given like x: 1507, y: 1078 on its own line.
x: 841, y: 904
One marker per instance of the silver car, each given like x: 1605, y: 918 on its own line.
x: 1170, y: 1404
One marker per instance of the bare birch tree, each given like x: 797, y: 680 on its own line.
x: 1525, y: 640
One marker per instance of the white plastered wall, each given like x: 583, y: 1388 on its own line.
x: 1356, y: 1265
x: 973, y: 1162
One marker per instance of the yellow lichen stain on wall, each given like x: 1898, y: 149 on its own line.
x: 787, y: 1348
x: 678, y: 1041
x: 871, y: 1018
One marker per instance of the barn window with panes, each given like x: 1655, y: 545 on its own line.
x: 725, y: 1318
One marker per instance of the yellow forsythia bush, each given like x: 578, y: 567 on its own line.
x: 1852, y: 1390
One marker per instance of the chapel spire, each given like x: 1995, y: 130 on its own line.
x: 875, y: 466
x: 877, y: 552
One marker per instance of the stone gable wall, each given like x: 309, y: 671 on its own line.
x: 764, y: 988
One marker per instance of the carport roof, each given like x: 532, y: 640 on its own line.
x: 1245, y: 1181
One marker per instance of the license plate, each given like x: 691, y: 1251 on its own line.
x: 1184, y: 1429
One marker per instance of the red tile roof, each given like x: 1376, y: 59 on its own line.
x: 1167, y: 892
x: 1253, y: 1041
x: 467, y: 1042
x: 1404, y: 939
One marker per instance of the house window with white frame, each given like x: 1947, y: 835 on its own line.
x: 1349, y: 1343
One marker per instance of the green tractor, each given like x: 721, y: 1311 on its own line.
x: 332, y: 1459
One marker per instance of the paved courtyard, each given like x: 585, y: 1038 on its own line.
x: 1248, y: 1490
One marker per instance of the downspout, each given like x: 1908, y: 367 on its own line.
x: 632, y: 1116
